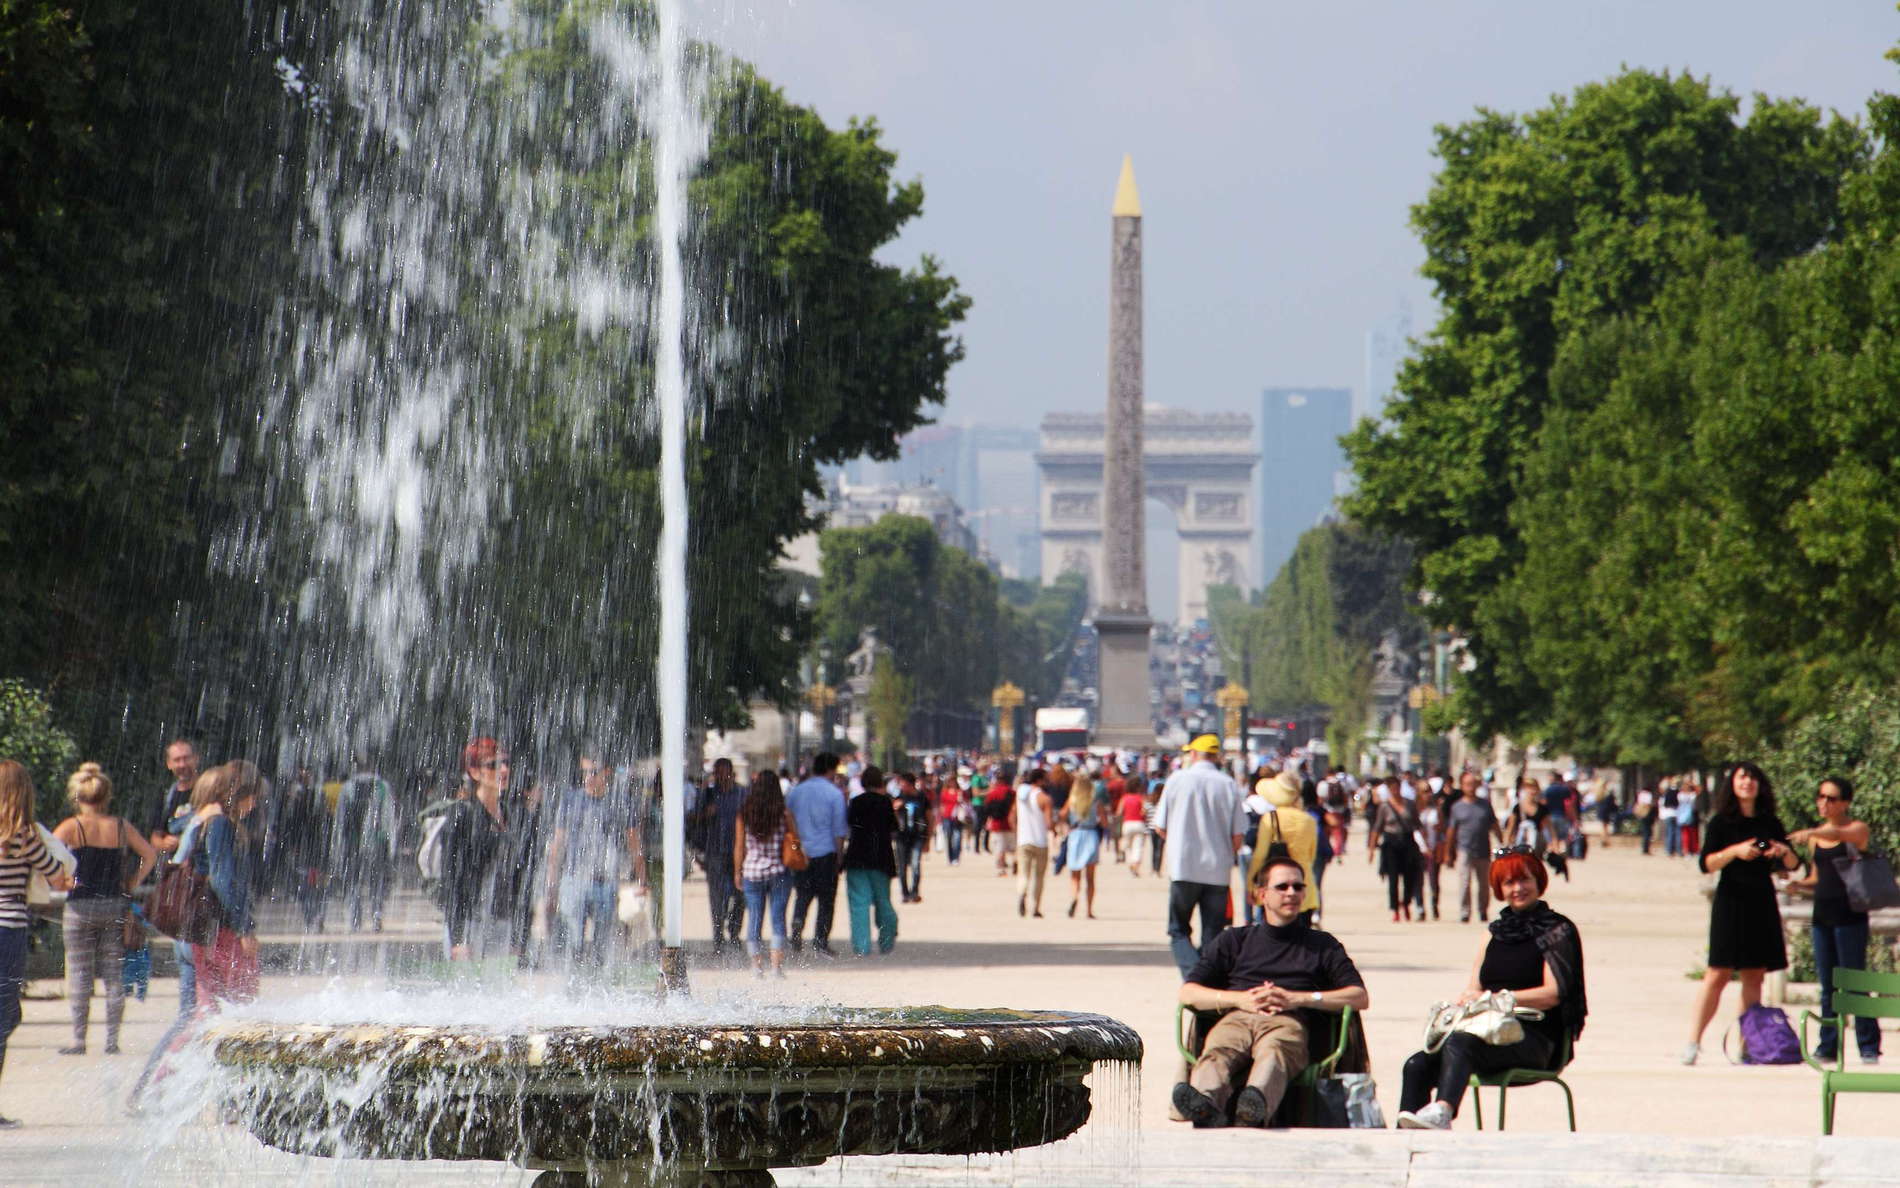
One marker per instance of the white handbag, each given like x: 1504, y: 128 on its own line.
x: 39, y: 892
x: 1494, y: 1018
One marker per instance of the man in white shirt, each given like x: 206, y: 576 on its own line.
x: 1203, y: 822
x: 1033, y: 821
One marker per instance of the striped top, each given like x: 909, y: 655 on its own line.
x: 22, y: 854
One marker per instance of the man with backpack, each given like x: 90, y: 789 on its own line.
x: 363, y: 843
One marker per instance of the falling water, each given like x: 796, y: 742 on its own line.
x: 676, y: 117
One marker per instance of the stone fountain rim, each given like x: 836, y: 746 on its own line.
x: 902, y: 1038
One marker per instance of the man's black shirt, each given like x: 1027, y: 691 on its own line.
x: 1294, y: 957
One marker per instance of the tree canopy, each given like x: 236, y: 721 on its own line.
x: 1542, y: 452
x: 167, y: 186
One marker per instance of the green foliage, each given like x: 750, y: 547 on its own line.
x: 149, y: 229
x: 891, y: 702
x: 1881, y: 957
x: 29, y: 734
x: 950, y: 628
x: 1857, y: 736
x: 1311, y: 638
x: 1537, y: 231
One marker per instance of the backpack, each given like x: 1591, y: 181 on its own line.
x: 1767, y: 1037
x: 434, y: 842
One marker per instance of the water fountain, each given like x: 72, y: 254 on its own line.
x: 402, y: 482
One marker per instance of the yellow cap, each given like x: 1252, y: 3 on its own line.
x: 1207, y: 744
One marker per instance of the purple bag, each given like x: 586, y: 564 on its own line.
x: 1767, y: 1037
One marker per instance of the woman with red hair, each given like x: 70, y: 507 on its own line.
x: 1534, y: 953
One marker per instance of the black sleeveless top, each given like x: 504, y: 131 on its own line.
x: 1831, y: 908
x: 100, y: 873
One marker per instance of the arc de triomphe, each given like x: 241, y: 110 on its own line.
x: 1200, y: 465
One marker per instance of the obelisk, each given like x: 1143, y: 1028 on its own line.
x: 1124, y: 717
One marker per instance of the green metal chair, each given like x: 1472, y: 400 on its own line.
x: 1857, y: 994
x: 1190, y: 1034
x: 1507, y: 1079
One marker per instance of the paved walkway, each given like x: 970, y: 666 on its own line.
x: 1645, y: 1118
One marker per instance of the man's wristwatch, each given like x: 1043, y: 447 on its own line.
x: 1316, y: 998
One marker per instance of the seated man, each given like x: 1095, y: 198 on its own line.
x: 1270, y: 975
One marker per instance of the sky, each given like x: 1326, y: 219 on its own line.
x: 1278, y: 148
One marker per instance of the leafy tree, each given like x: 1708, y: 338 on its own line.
x: 1536, y: 229
x: 891, y: 702
x: 1858, y: 736
x: 29, y: 734
x: 1312, y: 635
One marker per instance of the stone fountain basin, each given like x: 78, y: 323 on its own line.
x: 713, y: 1095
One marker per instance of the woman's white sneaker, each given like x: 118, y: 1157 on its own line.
x: 1690, y: 1052
x: 1435, y: 1116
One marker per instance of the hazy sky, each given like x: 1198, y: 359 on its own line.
x: 1278, y: 147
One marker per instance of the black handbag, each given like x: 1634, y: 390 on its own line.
x: 1869, y: 880
x: 1326, y: 1105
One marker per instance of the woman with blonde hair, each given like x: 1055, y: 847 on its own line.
x: 1086, y: 815
x: 22, y: 855
x: 97, y: 908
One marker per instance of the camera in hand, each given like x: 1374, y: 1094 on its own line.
x: 1763, y: 845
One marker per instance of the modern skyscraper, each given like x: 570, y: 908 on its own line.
x: 1301, y: 466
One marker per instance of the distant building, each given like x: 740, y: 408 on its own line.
x: 989, y: 470
x: 855, y: 505
x: 1301, y: 466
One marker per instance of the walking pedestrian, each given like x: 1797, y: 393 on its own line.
x: 1471, y: 825
x: 1001, y: 826
x: 817, y: 804
x: 363, y: 844
x: 913, y: 836
x: 1395, y: 825
x: 1745, y: 844
x: 1032, y: 820
x: 112, y: 858
x: 1132, y: 807
x: 1202, y: 821
x: 1644, y: 810
x: 220, y: 827
x: 1690, y: 809
x: 595, y: 833
x: 764, y: 831
x: 174, y: 812
x: 1086, y: 816
x: 949, y: 802
x: 719, y: 804
x: 870, y: 864
x: 303, y: 826
x: 22, y: 855
x: 477, y: 905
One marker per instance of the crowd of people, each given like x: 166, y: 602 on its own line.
x: 521, y: 871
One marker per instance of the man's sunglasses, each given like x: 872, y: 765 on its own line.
x: 1288, y: 887
x: 1507, y: 851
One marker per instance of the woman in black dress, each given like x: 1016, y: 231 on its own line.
x: 1537, y: 955
x: 1745, y: 842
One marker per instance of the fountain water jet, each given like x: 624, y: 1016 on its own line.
x: 713, y: 1097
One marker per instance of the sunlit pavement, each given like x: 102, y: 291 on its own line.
x: 1645, y: 1118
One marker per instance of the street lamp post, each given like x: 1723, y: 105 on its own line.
x: 821, y: 697
x: 1007, y: 698
x: 1230, y: 698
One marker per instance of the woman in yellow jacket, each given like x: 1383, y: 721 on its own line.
x: 1290, y: 824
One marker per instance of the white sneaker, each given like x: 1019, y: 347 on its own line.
x: 1690, y: 1052
x: 1435, y: 1116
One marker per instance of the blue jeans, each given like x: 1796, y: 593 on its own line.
x: 12, y: 981
x: 910, y: 865
x: 777, y: 890
x: 952, y: 842
x: 1184, y: 899
x: 866, y: 890
x: 187, y: 978
x: 583, y: 899
x: 1841, y: 946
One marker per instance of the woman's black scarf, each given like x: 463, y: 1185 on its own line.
x: 1562, y: 950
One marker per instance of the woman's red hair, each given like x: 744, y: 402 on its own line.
x: 1513, y: 866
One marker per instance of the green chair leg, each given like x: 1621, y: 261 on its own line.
x: 1477, y: 1104
x: 1827, y: 1112
x: 1503, y: 1102
x: 1570, y: 1106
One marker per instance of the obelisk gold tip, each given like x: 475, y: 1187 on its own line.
x: 1127, y: 200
